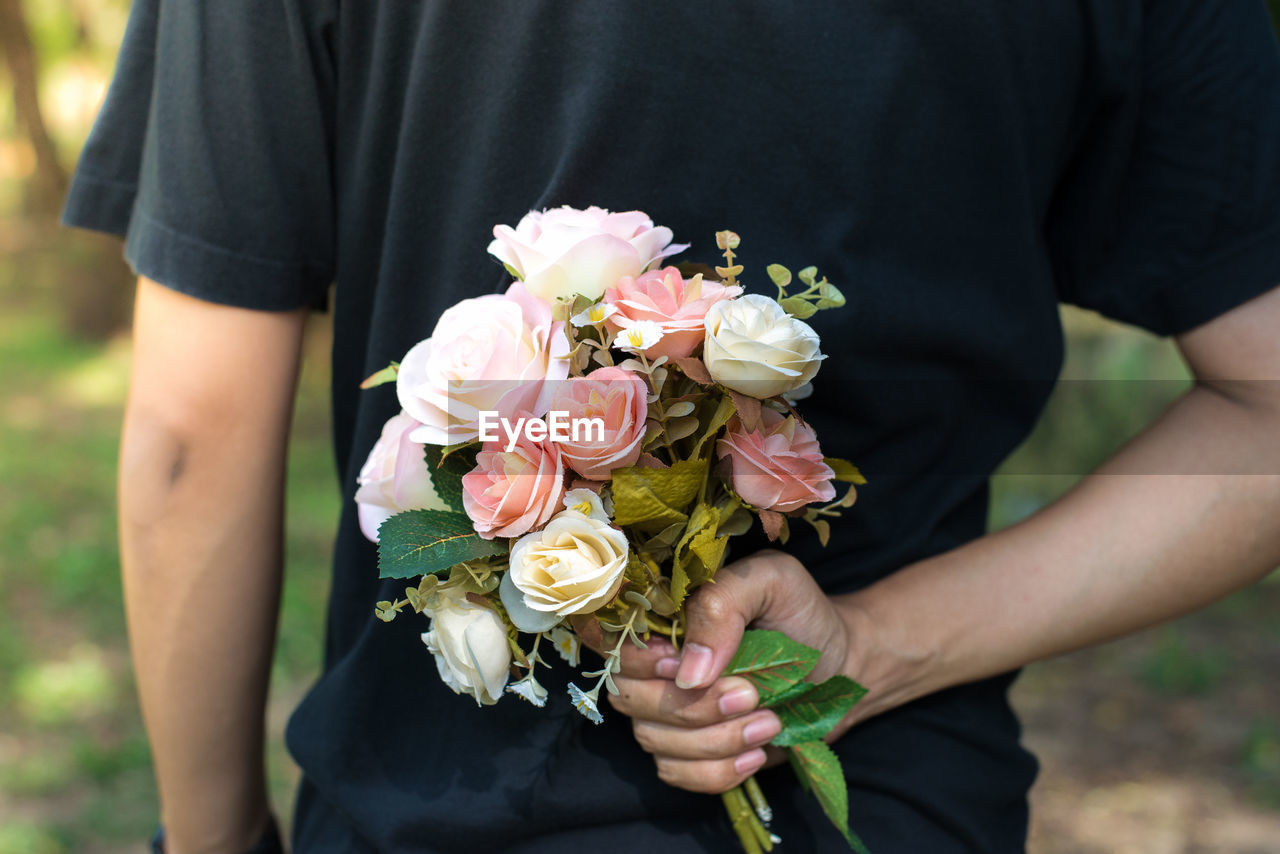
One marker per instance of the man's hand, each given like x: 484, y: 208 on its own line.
x: 1185, y: 516
x: 704, y: 731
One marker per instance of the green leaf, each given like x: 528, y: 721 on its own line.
x: 386, y: 375
x: 425, y: 542
x: 798, y: 307
x: 845, y: 471
x: 780, y: 275
x: 829, y: 296
x: 808, y: 275
x: 447, y: 465
x: 810, y: 715
x: 819, y: 770
x: 771, y: 661
x: 723, y: 412
x: 699, y: 552
x: 786, y: 696
x: 656, y: 498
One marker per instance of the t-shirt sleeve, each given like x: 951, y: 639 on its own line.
x: 1168, y: 213
x: 212, y: 152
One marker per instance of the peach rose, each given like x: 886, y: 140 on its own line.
x: 678, y: 305
x: 778, y: 467
x: 491, y: 353
x: 618, y: 399
x: 510, y: 493
x: 564, y: 251
x: 394, y: 478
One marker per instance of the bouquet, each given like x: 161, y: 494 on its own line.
x: 583, y: 446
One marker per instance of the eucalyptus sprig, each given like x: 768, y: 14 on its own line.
x: 818, y: 295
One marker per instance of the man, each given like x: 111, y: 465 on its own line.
x: 957, y: 169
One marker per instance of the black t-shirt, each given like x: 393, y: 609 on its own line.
x: 956, y: 168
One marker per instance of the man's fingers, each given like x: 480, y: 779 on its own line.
x: 658, y: 660
x: 710, y: 776
x: 664, y: 702
x: 717, y: 615
x: 725, y: 740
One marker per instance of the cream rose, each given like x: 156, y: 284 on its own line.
x: 394, y: 478
x: 573, y: 565
x: 492, y: 353
x: 564, y: 251
x: 754, y: 347
x: 470, y: 646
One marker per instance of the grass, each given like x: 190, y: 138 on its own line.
x: 74, y: 764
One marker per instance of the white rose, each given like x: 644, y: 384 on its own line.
x: 564, y: 251
x: 572, y: 566
x: 754, y: 347
x: 470, y: 645
x: 394, y: 478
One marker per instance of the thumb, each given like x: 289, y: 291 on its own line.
x: 716, y: 615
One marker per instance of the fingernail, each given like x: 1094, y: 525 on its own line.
x: 761, y: 730
x: 738, y: 701
x: 666, y: 668
x: 695, y: 666
x: 749, y: 762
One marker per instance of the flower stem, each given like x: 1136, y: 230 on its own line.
x: 753, y: 835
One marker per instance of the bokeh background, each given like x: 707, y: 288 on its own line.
x: 1164, y: 743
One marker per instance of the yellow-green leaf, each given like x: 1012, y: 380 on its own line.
x: 698, y: 554
x: 719, y: 417
x: 846, y: 471
x: 656, y: 498
x: 780, y: 275
x: 798, y: 307
x: 386, y: 375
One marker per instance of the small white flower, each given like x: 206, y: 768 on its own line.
x: 567, y: 644
x: 586, y: 703
x: 638, y: 336
x: 593, y: 314
x: 530, y: 689
x: 587, y: 502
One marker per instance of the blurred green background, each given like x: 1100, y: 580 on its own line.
x: 1165, y: 742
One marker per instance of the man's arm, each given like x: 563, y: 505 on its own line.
x: 1128, y: 547
x: 201, y: 489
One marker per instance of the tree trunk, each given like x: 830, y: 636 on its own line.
x: 50, y: 180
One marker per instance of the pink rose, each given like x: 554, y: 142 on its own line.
x: 678, y: 305
x: 618, y: 399
x: 778, y: 467
x: 394, y: 478
x: 510, y: 493
x: 492, y: 353
x: 564, y: 251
